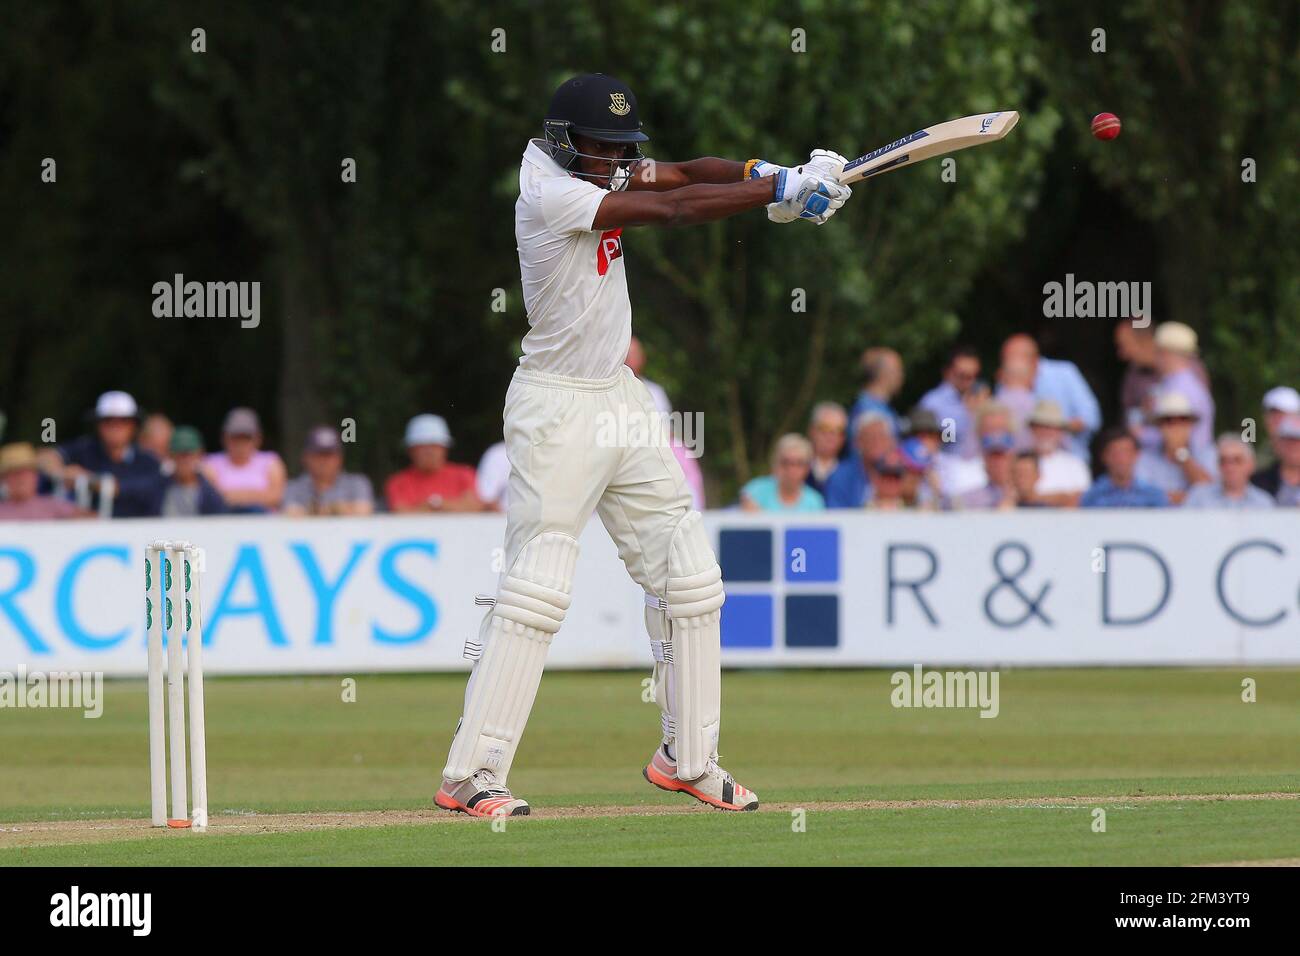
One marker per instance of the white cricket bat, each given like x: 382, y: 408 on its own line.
x: 932, y: 141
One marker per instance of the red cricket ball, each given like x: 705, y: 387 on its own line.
x: 1105, y: 126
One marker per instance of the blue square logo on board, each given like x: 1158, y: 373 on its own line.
x: 745, y: 554
x: 747, y: 621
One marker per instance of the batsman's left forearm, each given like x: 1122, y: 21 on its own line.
x: 658, y: 177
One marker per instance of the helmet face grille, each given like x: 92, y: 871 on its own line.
x: 558, y: 140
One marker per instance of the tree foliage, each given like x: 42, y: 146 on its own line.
x: 377, y: 295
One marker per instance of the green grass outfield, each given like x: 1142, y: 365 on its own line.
x: 880, y: 785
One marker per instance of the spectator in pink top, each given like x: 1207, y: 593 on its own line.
x: 249, y: 479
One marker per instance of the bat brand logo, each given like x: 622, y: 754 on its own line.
x: 988, y: 121
x: 618, y: 104
x: 877, y: 153
x: 609, y: 249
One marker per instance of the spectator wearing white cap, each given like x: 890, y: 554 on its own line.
x: 1063, y: 476
x: 324, y: 488
x: 1233, y: 489
x: 431, y: 483
x: 136, y: 476
x: 1282, y: 478
x: 1176, y: 463
x: 1176, y: 346
x: 1278, y: 403
x: 250, y: 479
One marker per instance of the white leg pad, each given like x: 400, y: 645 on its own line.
x: 514, y: 638
x: 686, y: 638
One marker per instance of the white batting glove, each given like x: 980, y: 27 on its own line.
x: 806, y: 193
x: 826, y: 162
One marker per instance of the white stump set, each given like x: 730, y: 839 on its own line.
x: 173, y: 611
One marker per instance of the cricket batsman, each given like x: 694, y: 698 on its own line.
x: 580, y: 185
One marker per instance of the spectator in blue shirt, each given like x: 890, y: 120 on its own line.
x: 786, y: 488
x: 1119, y: 487
x: 1062, y: 382
x: 954, y: 400
x: 137, y: 479
x: 882, y: 378
x: 850, y: 484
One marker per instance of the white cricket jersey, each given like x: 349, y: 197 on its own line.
x: 575, y: 287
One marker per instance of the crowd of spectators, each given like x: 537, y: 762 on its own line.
x: 1032, y: 438
x: 129, y: 466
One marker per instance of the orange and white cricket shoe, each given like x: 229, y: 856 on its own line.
x: 480, y: 795
x: 715, y: 786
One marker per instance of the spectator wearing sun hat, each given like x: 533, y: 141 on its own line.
x: 111, y: 450
x: 1176, y: 463
x: 1176, y: 349
x: 1063, y: 476
x: 431, y: 483
x: 20, y: 480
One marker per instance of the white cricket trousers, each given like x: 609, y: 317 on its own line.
x: 575, y: 446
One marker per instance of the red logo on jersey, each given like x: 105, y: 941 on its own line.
x: 609, y: 249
